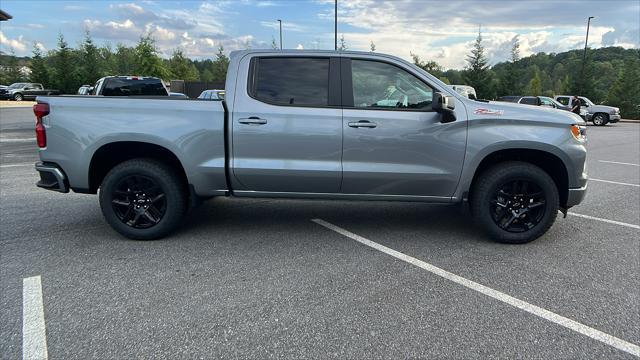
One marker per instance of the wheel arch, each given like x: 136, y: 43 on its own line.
x: 111, y: 154
x: 549, y: 162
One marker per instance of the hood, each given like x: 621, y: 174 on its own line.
x: 603, y: 108
x: 511, y: 111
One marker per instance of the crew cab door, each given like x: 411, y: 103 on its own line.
x: 394, y: 143
x: 287, y: 125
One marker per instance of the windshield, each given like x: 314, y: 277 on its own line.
x: 587, y: 101
x: 16, y: 86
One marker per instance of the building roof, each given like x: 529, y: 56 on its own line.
x: 5, y: 16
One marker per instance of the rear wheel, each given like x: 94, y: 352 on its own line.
x: 600, y: 119
x: 143, y: 199
x: 515, y: 202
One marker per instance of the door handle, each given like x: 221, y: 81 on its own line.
x: 362, y: 124
x: 253, y: 120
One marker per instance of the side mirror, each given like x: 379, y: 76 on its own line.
x: 445, y: 106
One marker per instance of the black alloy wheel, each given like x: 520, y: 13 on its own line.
x: 139, y: 202
x: 518, y: 206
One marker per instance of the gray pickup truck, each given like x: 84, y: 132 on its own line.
x: 315, y: 124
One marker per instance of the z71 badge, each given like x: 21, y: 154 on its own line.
x: 482, y: 111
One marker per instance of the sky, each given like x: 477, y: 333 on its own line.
x: 442, y: 30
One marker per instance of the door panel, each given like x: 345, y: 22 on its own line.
x: 408, y: 152
x: 284, y: 147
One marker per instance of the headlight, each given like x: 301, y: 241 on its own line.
x: 579, y: 132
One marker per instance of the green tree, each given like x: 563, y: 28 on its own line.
x: 148, y: 63
x: 535, y: 85
x: 515, y: 49
x: 182, y: 68
x: 220, y: 65
x: 429, y: 66
x: 625, y: 92
x: 39, y: 72
x: 92, y: 65
x: 125, y: 60
x: 477, y: 70
x: 63, y: 68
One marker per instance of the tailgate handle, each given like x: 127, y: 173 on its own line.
x: 253, y: 120
x: 363, y: 124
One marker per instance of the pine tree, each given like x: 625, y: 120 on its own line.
x: 515, y: 49
x: 148, y: 63
x: 63, y: 68
x: 220, y: 65
x: 477, y: 70
x: 39, y: 72
x: 372, y: 46
x: 92, y: 63
x: 535, y: 85
x: 274, y: 45
x: 181, y: 67
x: 342, y: 44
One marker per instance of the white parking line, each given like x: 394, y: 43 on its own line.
x: 34, y: 333
x: 605, y: 220
x: 16, y: 165
x: 614, y: 182
x: 9, y: 140
x: 617, y: 162
x: 507, y: 299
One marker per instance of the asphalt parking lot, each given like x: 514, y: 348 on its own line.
x: 261, y: 279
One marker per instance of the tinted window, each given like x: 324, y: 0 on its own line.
x: 547, y: 102
x: 529, y: 101
x: 381, y: 85
x: 292, y: 81
x: 130, y: 87
x: 563, y: 100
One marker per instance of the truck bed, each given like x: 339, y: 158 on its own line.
x: 194, y: 130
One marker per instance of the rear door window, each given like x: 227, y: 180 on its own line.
x: 291, y: 81
x: 563, y: 100
x: 529, y: 101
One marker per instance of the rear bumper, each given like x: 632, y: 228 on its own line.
x: 576, y: 196
x: 52, y: 177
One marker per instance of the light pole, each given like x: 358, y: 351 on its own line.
x: 584, y: 55
x: 335, y: 25
x: 280, y: 22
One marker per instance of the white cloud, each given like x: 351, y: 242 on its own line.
x: 299, y: 47
x: 18, y: 45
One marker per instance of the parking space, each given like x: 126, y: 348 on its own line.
x: 259, y: 278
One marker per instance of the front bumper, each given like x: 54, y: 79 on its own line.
x: 613, y: 118
x: 576, y: 196
x: 5, y: 96
x: 52, y: 177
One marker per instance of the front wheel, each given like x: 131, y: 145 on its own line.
x: 600, y: 119
x: 18, y: 97
x: 515, y: 202
x: 143, y: 199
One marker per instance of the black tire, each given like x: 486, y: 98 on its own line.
x: 139, y: 191
x: 18, y: 97
x: 531, y: 206
x: 600, y: 119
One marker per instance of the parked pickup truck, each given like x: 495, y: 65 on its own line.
x: 25, y: 91
x: 600, y: 115
x: 315, y: 124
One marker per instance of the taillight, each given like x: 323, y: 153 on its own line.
x: 41, y: 110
